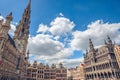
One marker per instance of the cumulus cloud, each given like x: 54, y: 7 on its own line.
x: 1, y: 17
x: 42, y: 28
x: 69, y: 63
x: 63, y: 54
x: 61, y: 14
x: 45, y: 48
x: 57, y: 42
x: 44, y: 45
x: 12, y: 30
x: 49, y: 49
x: 61, y: 25
x: 97, y: 31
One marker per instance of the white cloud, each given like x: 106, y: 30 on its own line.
x: 42, y: 28
x: 66, y: 62
x: 61, y: 25
x: 47, y: 49
x: 1, y: 17
x: 69, y: 63
x: 12, y: 30
x: 56, y: 37
x: 65, y: 53
x: 98, y: 31
x: 44, y: 45
x: 61, y: 14
x: 51, y: 47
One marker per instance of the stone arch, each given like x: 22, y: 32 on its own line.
x: 119, y: 74
x: 100, y: 66
x: 113, y: 74
x: 105, y: 75
x: 89, y: 76
x: 108, y: 65
x: 95, y: 75
x: 98, y: 75
x: 92, y: 76
x: 93, y: 68
x: 104, y: 66
x: 102, y: 75
x: 109, y: 75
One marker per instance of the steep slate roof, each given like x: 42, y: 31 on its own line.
x: 11, y: 41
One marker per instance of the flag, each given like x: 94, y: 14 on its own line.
x: 0, y: 60
x: 83, y: 65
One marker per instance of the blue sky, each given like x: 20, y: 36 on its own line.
x: 84, y: 19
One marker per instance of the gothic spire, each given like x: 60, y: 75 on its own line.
x: 26, y: 14
x: 86, y: 51
x: 8, y: 19
x: 91, y: 44
x: 109, y: 40
x: 6, y: 26
x: 9, y: 16
x: 29, y: 4
x: 105, y: 42
x: 22, y: 30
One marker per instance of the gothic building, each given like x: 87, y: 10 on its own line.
x: 76, y: 73
x: 13, y: 55
x: 45, y: 72
x: 117, y: 53
x: 101, y: 63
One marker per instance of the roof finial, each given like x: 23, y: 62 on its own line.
x: 86, y: 51
x: 91, y: 44
x: 108, y: 37
x: 109, y: 40
x: 29, y: 3
x: 9, y: 16
x: 105, y: 41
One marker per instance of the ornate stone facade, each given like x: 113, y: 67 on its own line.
x: 101, y: 63
x: 46, y: 72
x: 117, y: 53
x: 76, y: 73
x: 13, y: 57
